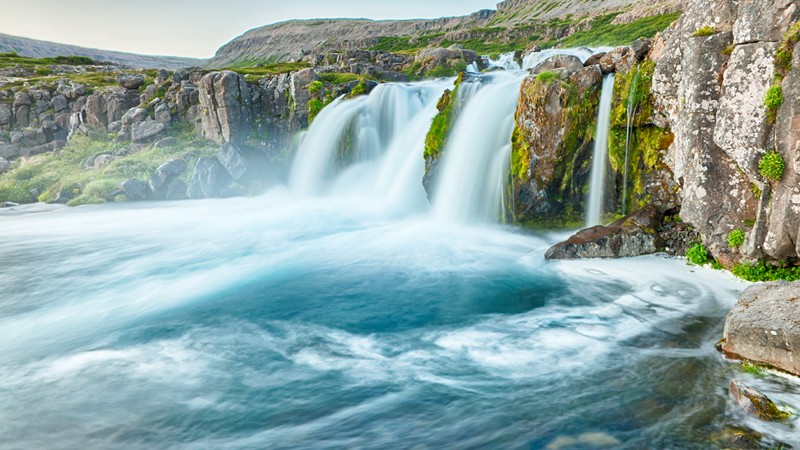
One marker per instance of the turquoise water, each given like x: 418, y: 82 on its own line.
x: 280, y: 323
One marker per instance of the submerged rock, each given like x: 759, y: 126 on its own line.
x: 755, y: 403
x: 634, y: 235
x: 764, y: 326
x: 208, y: 180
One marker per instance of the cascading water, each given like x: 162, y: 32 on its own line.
x: 597, y: 185
x: 471, y: 180
x: 533, y: 60
x: 365, y: 129
x: 505, y: 61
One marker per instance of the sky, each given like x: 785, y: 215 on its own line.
x: 193, y: 28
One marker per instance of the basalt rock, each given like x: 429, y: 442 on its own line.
x: 755, y: 403
x: 208, y: 180
x: 764, y: 326
x: 634, y: 235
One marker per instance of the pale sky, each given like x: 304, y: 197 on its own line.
x: 193, y: 28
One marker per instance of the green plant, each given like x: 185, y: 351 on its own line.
x: 359, y: 89
x: 736, y: 238
x: 773, y: 100
x: 315, y: 106
x: 315, y: 87
x: 698, y: 254
x: 602, y: 31
x: 772, y: 166
x: 705, y: 31
x: 785, y: 51
x: 762, y: 271
x: 547, y: 77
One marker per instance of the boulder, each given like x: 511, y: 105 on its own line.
x: 176, y: 190
x: 163, y: 114
x: 208, y: 180
x: 764, y: 326
x: 98, y: 161
x: 226, y: 104
x: 135, y: 190
x: 594, y: 59
x: 431, y: 58
x: 4, y: 165
x: 755, y: 403
x: 146, y: 131
x: 134, y: 115
x: 163, y: 178
x: 167, y: 142
x: 130, y: 81
x: 634, y: 235
x: 621, y: 59
x: 568, y: 63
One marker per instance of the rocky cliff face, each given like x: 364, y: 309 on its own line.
x: 714, y: 70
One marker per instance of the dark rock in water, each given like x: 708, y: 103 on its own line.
x: 208, y: 180
x: 634, y: 235
x: 244, y: 164
x: 8, y: 204
x: 135, y: 190
x: 176, y: 190
x: 161, y: 181
x: 755, y: 403
x: 764, y: 326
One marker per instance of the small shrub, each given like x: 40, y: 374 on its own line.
x: 736, y: 238
x: 773, y: 100
x: 315, y: 87
x: 772, y: 166
x: 705, y: 31
x: 698, y: 254
x: 547, y: 77
x: 761, y: 271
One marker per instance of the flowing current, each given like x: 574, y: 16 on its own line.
x: 341, y: 312
x: 597, y: 183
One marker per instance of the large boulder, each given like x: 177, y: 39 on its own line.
x: 130, y: 81
x: 135, y: 190
x: 208, y: 180
x: 226, y: 103
x: 431, y: 58
x: 764, y: 326
x: 161, y: 183
x: 634, y: 235
x: 147, y: 131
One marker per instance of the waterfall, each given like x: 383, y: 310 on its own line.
x: 597, y: 186
x: 476, y: 158
x: 505, y: 61
x: 631, y: 113
x: 364, y: 132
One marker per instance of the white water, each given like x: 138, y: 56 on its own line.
x: 386, y: 127
x: 477, y: 153
x: 594, y: 207
x: 505, y: 61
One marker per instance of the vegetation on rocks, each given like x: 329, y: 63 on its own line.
x: 698, y: 254
x: 44, y: 177
x: 705, y: 31
x: 771, y: 166
x: 736, y: 238
x: 785, y: 51
x: 763, y: 271
x: 437, y: 135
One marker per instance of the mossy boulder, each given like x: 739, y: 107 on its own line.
x: 552, y: 145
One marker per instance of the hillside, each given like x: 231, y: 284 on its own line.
x: 42, y: 49
x: 515, y: 24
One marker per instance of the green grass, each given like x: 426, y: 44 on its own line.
x: 339, y: 78
x: 602, y: 32
x: 262, y: 70
x: 11, y: 59
x: 785, y: 51
x: 50, y: 173
x: 547, y: 77
x: 401, y: 44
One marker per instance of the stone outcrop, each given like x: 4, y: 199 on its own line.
x: 634, y: 235
x: 755, y: 403
x: 709, y: 89
x: 764, y: 326
x: 455, y: 56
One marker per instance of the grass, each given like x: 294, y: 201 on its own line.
x: 547, y: 77
x: 339, y: 78
x: 762, y: 271
x: 401, y: 44
x: 48, y: 174
x: 698, y: 254
x: 263, y: 70
x: 12, y: 59
x: 602, y: 32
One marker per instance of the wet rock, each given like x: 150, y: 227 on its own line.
x: 162, y: 179
x: 594, y: 59
x: 755, y: 403
x: 176, y: 190
x: 764, y: 326
x: 208, y: 180
x: 135, y: 190
x: 8, y: 205
x: 566, y: 64
x: 634, y: 235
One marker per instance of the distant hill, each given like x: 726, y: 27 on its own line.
x: 42, y: 49
x: 515, y: 23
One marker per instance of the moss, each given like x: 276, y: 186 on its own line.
x: 698, y: 254
x: 520, y: 156
x: 315, y: 87
x: 771, y: 166
x: 648, y: 145
x: 773, y: 100
x: 785, y: 51
x: 547, y: 77
x: 705, y: 31
x: 763, y: 271
x: 315, y: 106
x: 359, y: 89
x: 339, y: 78
x: 736, y: 238
x: 436, y: 138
